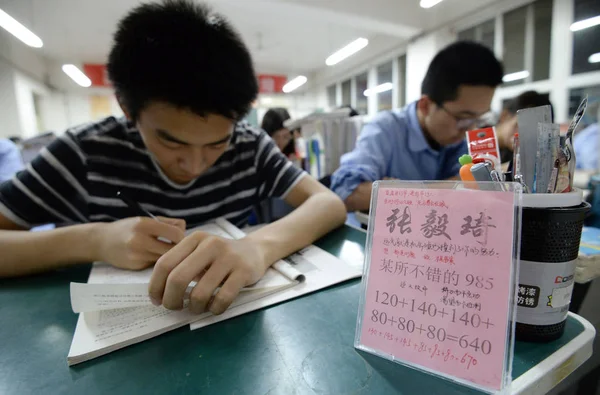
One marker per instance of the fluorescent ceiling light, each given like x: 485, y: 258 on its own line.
x: 595, y: 58
x: 378, y: 89
x: 77, y: 75
x: 12, y: 26
x: 429, y: 3
x: 519, y: 75
x: 584, y: 24
x: 347, y: 51
x: 294, y: 84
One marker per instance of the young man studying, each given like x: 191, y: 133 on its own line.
x: 184, y: 79
x: 424, y: 140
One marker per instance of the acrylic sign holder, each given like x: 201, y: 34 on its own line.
x: 439, y: 284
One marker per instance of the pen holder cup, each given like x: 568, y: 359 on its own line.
x: 550, y: 235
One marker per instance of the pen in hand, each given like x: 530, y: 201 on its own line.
x: 135, y: 206
x: 139, y: 211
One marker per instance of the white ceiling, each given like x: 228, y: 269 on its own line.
x: 284, y: 36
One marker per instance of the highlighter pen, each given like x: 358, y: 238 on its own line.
x: 135, y: 206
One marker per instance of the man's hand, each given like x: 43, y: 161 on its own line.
x: 213, y: 262
x: 360, y: 198
x: 133, y: 243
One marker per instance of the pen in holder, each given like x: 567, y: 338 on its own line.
x: 550, y: 235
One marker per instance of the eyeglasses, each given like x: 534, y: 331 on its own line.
x: 468, y: 123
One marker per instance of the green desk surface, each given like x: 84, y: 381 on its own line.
x: 304, y: 346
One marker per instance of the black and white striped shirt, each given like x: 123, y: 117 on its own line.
x: 76, y: 179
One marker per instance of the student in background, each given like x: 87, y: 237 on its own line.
x: 507, y: 124
x: 272, y: 123
x: 182, y: 153
x: 424, y: 140
x: 10, y: 160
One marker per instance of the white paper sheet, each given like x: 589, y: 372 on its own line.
x: 95, y: 297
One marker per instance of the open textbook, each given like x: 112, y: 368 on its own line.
x: 115, y: 310
x: 319, y: 268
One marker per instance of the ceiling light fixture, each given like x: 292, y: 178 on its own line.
x: 584, y: 24
x: 594, y: 58
x: 519, y: 75
x: 77, y: 75
x: 429, y: 3
x: 378, y: 89
x: 347, y: 51
x: 13, y: 26
x: 294, y: 84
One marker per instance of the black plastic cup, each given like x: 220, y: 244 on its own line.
x: 550, y: 238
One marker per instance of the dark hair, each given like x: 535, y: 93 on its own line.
x: 182, y: 53
x: 274, y: 119
x: 529, y: 99
x: 461, y: 63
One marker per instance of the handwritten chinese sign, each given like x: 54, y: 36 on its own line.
x: 439, y: 281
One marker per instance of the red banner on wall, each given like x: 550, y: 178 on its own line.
x: 98, y: 74
x: 271, y: 83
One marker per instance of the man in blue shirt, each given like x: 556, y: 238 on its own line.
x: 424, y: 140
x: 10, y: 160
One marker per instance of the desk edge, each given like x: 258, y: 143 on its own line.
x: 563, y: 362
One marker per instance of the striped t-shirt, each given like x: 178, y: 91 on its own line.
x: 76, y: 178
